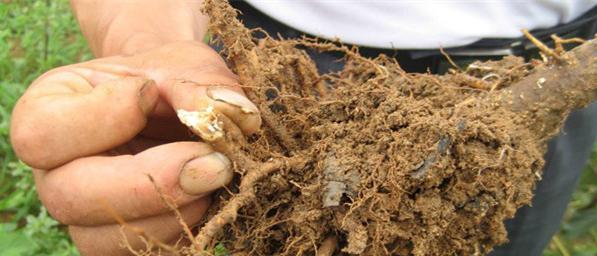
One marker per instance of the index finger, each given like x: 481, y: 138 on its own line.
x: 63, y: 116
x: 226, y: 99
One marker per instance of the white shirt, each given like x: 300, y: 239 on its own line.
x: 420, y: 24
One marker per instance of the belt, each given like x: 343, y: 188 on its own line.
x: 584, y: 26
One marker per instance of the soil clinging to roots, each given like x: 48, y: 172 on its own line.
x: 373, y: 160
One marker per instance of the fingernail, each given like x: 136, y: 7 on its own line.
x: 147, y: 101
x: 205, y: 174
x: 233, y: 98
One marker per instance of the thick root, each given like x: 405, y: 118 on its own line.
x: 552, y: 91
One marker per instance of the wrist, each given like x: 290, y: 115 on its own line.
x: 114, y: 27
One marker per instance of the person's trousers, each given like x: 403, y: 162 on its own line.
x: 533, y: 226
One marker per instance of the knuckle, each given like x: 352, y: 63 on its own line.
x: 56, y: 205
x: 29, y: 143
x: 56, y: 199
x: 85, y: 238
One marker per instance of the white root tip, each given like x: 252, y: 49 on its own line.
x: 204, y: 123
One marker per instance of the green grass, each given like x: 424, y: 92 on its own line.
x: 36, y: 36
x: 578, y: 233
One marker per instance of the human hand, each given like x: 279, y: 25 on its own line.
x: 93, y: 131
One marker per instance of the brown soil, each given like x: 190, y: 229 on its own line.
x: 390, y: 162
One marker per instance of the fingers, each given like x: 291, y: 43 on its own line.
x: 63, y: 117
x: 84, y: 109
x: 108, y: 239
x: 79, y: 192
x: 224, y: 99
x: 198, y: 76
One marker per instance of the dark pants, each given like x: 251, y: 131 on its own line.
x: 532, y: 228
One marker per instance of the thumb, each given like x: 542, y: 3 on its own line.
x: 50, y: 129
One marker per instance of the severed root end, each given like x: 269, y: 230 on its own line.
x: 204, y: 123
x: 547, y: 95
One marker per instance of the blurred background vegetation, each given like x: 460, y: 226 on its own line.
x: 36, y: 36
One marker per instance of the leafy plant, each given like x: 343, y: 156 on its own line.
x: 578, y: 233
x: 36, y: 36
